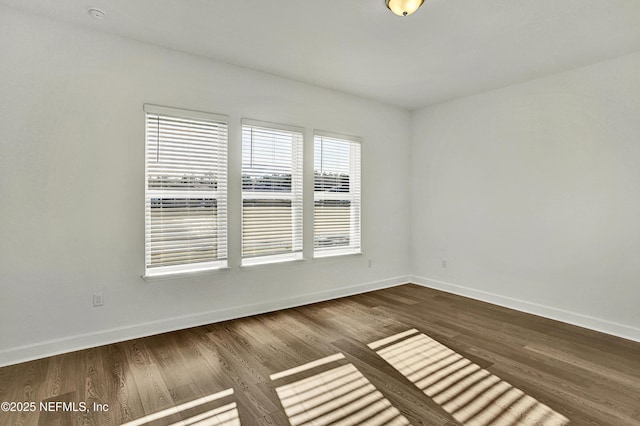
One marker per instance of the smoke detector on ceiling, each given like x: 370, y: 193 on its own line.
x: 96, y: 13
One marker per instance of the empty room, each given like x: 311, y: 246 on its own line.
x: 355, y: 212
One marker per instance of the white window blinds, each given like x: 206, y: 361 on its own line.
x: 336, y: 215
x: 271, y: 193
x: 185, y: 191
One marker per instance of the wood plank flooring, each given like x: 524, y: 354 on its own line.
x: 327, y: 363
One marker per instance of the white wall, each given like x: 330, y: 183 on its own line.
x: 532, y: 195
x: 72, y: 187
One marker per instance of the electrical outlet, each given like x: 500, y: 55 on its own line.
x: 444, y: 263
x: 98, y: 299
x: 370, y: 263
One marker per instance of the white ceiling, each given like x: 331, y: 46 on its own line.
x: 447, y: 49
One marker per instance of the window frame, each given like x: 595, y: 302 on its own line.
x: 354, y: 196
x: 296, y: 196
x: 220, y: 194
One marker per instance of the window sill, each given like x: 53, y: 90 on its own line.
x: 183, y: 274
x: 337, y: 255
x: 267, y: 264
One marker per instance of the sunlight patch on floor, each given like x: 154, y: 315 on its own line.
x: 221, y: 415
x: 337, y: 395
x: 471, y: 394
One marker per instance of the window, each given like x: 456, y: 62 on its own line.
x: 271, y: 193
x: 336, y: 215
x: 185, y: 191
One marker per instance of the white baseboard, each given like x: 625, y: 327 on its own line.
x: 581, y: 320
x: 83, y: 341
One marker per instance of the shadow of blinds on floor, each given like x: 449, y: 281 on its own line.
x: 471, y: 394
x: 337, y: 394
x: 210, y: 410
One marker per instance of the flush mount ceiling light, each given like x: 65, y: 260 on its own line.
x: 403, y: 7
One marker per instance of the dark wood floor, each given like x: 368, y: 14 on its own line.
x: 244, y: 371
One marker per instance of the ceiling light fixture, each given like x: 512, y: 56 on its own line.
x: 403, y: 7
